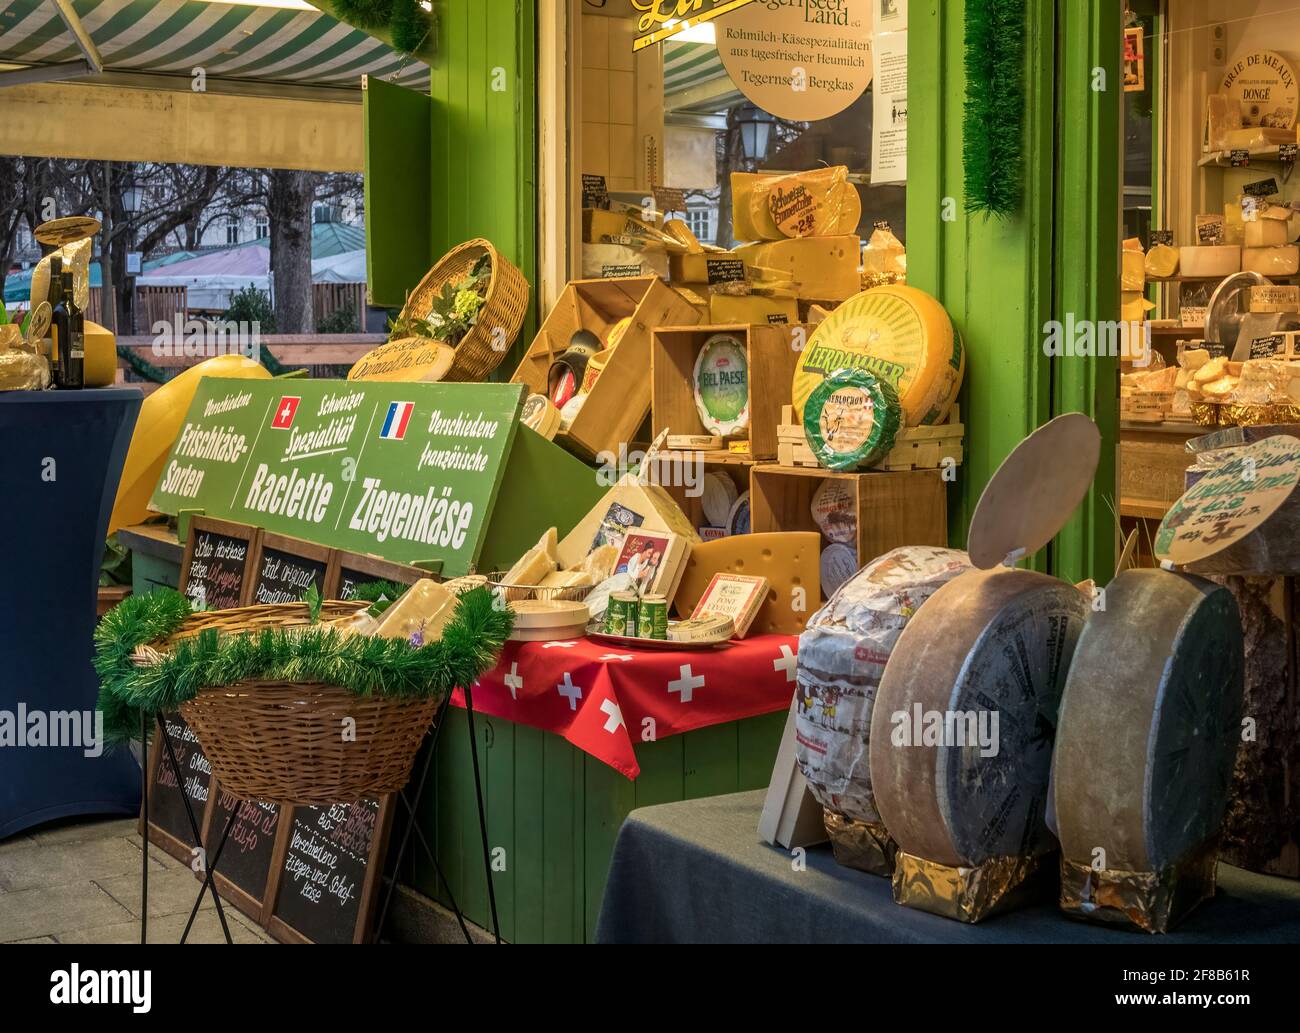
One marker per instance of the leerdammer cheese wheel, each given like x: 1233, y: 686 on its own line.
x: 901, y: 335
x: 842, y: 655
x: 989, y: 643
x: 1149, y: 722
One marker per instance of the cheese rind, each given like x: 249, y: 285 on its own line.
x: 901, y: 335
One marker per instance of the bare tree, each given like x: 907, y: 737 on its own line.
x: 290, y: 194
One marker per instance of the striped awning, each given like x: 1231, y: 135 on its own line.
x: 229, y: 41
x: 695, y: 80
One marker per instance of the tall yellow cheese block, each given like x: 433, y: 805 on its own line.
x: 160, y: 421
x: 823, y: 268
x: 101, y: 356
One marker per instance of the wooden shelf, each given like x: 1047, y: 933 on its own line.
x: 1223, y: 159
x: 1145, y: 509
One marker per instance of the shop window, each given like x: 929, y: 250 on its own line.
x: 232, y: 230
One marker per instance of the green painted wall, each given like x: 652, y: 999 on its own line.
x: 1003, y: 279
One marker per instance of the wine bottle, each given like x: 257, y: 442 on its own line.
x: 60, y: 325
x: 74, y: 366
x: 55, y: 292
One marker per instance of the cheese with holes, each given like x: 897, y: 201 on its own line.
x: 990, y: 645
x: 842, y: 656
x: 789, y: 560
x: 821, y: 268
x: 1145, y: 747
x: 897, y: 333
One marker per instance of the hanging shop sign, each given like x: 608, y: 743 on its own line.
x: 663, y: 19
x: 409, y: 472
x: 1265, y: 84
x: 798, y: 60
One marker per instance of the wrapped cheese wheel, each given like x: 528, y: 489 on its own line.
x: 842, y: 657
x: 851, y: 420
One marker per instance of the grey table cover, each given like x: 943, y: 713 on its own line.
x: 694, y: 872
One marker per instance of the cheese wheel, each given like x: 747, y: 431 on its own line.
x: 1210, y: 260
x: 720, y: 494
x: 901, y: 335
x: 722, y: 385
x: 540, y: 414
x: 851, y: 420
x: 1149, y: 722
x: 991, y: 643
x: 835, y: 508
x: 1162, y: 261
x: 1266, y: 233
x: 842, y: 655
x: 738, y: 518
x: 1271, y: 261
x: 839, y: 563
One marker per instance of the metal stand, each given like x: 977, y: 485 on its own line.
x: 208, y: 885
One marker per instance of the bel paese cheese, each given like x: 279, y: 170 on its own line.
x: 901, y: 335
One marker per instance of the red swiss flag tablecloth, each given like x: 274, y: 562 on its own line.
x: 603, y: 698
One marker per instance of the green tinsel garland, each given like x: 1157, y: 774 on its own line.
x: 361, y: 664
x: 994, y: 109
x: 365, y: 14
x: 409, y: 26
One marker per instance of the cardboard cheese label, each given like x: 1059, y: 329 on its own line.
x: 722, y: 385
x: 1231, y: 501
x: 852, y: 420
x: 1264, y: 83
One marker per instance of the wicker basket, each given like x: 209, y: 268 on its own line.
x: 282, y: 741
x: 505, y: 306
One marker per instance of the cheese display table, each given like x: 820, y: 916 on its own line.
x: 695, y: 872
x: 64, y: 453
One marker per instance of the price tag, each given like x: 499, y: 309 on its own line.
x: 670, y: 199
x: 1287, y: 153
x: 1263, y: 188
x: 1192, y: 315
x: 881, y: 224
x: 1251, y: 206
x: 1266, y: 347
x: 1209, y: 229
x: 1240, y: 158
x: 724, y: 270
x: 595, y: 194
x: 1165, y: 237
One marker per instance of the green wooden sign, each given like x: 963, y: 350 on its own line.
x: 407, y: 471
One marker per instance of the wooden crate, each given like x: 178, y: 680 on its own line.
x: 771, y: 355
x: 917, y: 448
x: 1153, y: 462
x: 893, y: 509
x: 620, y: 399
x: 731, y: 465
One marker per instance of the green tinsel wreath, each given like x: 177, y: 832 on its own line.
x: 361, y: 664
x: 994, y: 108
x: 365, y: 14
x: 409, y: 27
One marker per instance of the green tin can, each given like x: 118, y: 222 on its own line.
x: 621, y: 614
x: 652, y: 618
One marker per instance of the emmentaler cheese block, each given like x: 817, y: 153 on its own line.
x: 789, y: 560
x: 817, y: 203
x: 1145, y: 744
x: 822, y: 268
x: 899, y: 334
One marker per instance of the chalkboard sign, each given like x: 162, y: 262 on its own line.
x: 356, y: 568
x: 244, y: 870
x: 217, y: 561
x: 287, y: 567
x: 169, y: 825
x: 329, y: 879
x: 1266, y: 347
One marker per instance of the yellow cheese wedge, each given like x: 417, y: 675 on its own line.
x: 1211, y: 371
x: 821, y: 202
x: 1266, y: 233
x: 1133, y: 270
x: 161, y: 416
x: 1162, y: 261
x: 898, y: 333
x: 822, y: 268
x: 420, y: 614
x: 101, y: 355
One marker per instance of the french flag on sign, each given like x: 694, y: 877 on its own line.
x: 399, y: 415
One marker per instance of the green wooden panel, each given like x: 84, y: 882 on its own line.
x: 398, y: 248
x: 758, y: 740
x: 662, y: 778
x: 529, y: 862
x: 150, y: 572
x: 562, y: 869
x: 543, y: 486
x: 483, y: 122
x: 609, y: 798
x: 1089, y: 91
x: 499, y: 792
x: 711, y: 761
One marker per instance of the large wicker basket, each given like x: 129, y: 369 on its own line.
x: 481, y: 350
x: 283, y: 742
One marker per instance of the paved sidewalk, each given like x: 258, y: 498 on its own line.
x: 79, y: 882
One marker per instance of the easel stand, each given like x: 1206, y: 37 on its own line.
x: 411, y: 826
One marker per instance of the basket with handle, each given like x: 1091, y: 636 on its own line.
x: 481, y: 350
x: 282, y: 741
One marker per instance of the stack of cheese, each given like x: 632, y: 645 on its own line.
x: 1268, y: 229
x: 538, y: 573
x: 884, y: 259
x: 1208, y: 381
x: 1149, y: 395
x: 1133, y: 281
x: 803, y: 227
x: 625, y: 241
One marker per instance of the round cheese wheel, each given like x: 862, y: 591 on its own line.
x: 540, y: 414
x: 842, y: 655
x: 851, y: 420
x: 738, y: 518
x: 722, y: 385
x: 899, y: 334
x: 720, y: 494
x: 1149, y: 722
x: 991, y: 644
x: 616, y: 332
x: 839, y: 563
x: 834, y: 510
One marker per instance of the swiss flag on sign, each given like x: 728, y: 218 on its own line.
x: 284, y: 413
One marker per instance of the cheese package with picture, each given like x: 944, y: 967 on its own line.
x: 842, y: 655
x: 897, y: 333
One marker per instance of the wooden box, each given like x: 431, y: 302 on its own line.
x: 620, y: 399
x: 917, y: 448
x: 772, y: 355
x: 736, y: 467
x: 907, y: 507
